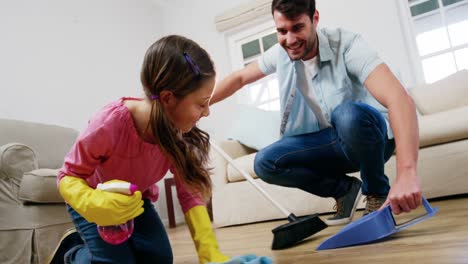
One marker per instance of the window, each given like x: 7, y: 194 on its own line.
x: 439, y: 30
x: 247, y: 46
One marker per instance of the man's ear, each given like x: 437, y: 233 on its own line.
x: 316, y: 18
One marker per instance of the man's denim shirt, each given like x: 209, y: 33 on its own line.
x: 345, y: 62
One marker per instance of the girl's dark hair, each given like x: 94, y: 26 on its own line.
x: 179, y: 65
x: 294, y: 8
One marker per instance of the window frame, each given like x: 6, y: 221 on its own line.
x: 240, y: 35
x: 409, y: 33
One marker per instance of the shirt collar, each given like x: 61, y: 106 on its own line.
x: 325, y: 52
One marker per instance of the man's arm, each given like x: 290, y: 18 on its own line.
x: 236, y: 80
x: 405, y: 193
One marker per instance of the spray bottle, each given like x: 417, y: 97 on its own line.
x: 117, y: 234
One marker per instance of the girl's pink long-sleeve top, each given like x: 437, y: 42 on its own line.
x: 110, y: 148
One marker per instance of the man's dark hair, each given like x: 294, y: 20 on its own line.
x: 294, y: 8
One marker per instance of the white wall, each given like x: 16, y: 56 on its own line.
x: 62, y: 60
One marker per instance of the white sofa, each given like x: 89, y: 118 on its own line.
x: 33, y: 215
x: 443, y: 161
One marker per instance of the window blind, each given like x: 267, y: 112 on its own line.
x: 242, y: 14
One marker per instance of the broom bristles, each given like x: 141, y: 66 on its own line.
x: 289, y: 234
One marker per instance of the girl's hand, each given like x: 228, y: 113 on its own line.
x: 247, y: 259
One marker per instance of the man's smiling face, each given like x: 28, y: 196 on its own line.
x: 298, y: 36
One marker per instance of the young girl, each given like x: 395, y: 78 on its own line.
x: 138, y: 141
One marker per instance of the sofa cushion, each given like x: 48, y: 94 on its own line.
x: 245, y: 163
x: 443, y: 127
x: 254, y: 127
x: 40, y: 186
x: 448, y: 93
x: 15, y: 160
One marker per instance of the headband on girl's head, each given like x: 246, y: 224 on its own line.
x: 154, y: 97
x: 192, y: 64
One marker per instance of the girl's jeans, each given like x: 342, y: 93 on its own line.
x: 148, y: 244
x: 318, y: 162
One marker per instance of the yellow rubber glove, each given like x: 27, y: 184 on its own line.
x: 97, y: 206
x: 202, y: 234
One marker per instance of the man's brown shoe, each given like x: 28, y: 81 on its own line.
x: 373, y: 203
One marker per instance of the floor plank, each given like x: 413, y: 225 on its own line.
x: 441, y: 239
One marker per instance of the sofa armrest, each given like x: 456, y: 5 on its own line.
x: 235, y: 150
x: 15, y: 160
x: 40, y: 186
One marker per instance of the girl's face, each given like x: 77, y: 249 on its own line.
x: 184, y: 113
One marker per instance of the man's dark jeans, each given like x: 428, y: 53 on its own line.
x: 318, y: 162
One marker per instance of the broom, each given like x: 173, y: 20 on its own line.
x: 289, y: 234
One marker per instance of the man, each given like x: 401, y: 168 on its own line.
x: 343, y: 111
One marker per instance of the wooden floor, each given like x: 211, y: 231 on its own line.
x: 441, y: 239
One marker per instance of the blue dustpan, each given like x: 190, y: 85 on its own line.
x: 372, y: 227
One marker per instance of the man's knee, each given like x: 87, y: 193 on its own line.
x: 264, y: 167
x: 346, y: 117
x: 356, y: 123
x: 353, y: 117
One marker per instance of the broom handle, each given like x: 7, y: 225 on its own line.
x: 249, y: 179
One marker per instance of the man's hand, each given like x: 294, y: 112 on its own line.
x: 405, y: 194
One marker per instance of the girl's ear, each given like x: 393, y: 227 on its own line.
x: 167, y: 98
